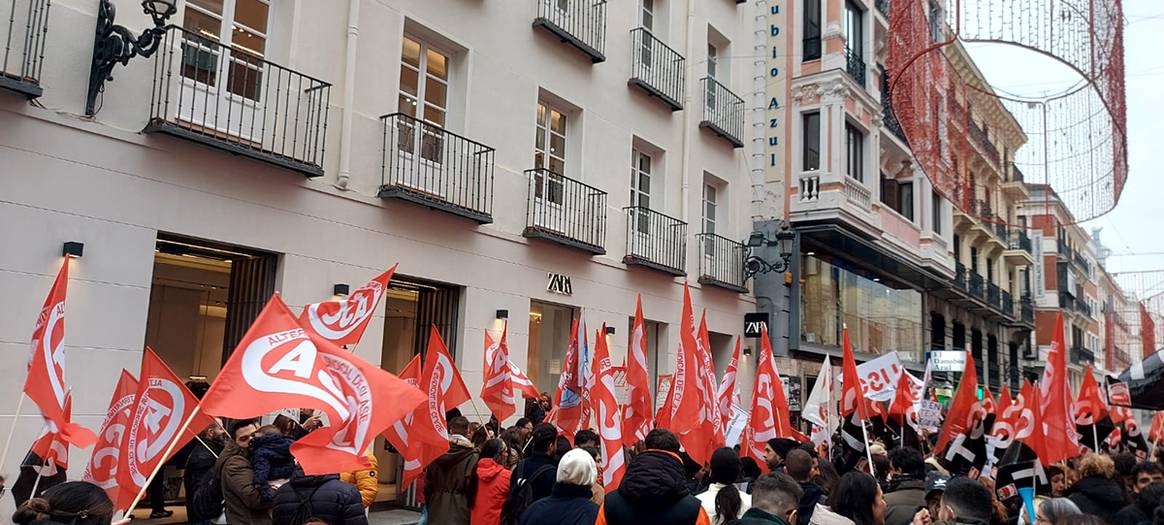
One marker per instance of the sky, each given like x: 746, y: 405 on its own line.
x: 1133, y: 230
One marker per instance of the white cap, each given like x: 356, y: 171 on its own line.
x: 577, y: 468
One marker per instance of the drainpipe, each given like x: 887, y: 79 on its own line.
x: 345, y: 160
x: 687, y: 109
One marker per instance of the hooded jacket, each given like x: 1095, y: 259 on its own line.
x: 823, y: 515
x: 1098, y: 496
x: 903, y: 499
x: 654, y: 491
x: 324, y: 497
x: 244, y: 505
x: 271, y: 460
x: 365, y: 480
x: 567, y: 505
x: 492, y: 489
x: 450, y: 483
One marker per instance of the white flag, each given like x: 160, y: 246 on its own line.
x: 818, y: 409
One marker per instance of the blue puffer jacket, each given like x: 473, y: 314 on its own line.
x: 271, y: 459
x: 567, y: 505
x: 323, y: 497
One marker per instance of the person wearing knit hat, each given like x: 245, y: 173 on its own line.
x: 776, y: 450
x: 569, y: 502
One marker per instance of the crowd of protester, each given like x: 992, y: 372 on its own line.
x: 530, y: 474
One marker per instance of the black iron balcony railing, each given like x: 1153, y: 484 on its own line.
x: 1027, y: 307
x: 960, y: 277
x: 657, y: 69
x: 1082, y: 355
x: 1000, y: 230
x: 721, y: 262
x: 1065, y: 250
x: 1016, y: 175
x: 976, y: 285
x: 655, y: 240
x: 24, y: 39
x: 979, y: 137
x: 888, y: 117
x: 1008, y: 304
x: 993, y: 296
x: 1018, y: 239
x: 1066, y: 300
x: 1078, y: 259
x: 580, y: 23
x: 428, y: 165
x: 883, y: 7
x: 723, y: 112
x: 230, y: 99
x: 566, y: 211
x: 1082, y: 306
x: 855, y: 66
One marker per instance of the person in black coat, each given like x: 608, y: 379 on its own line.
x: 539, y: 464
x: 322, y: 497
x: 1097, y: 492
x: 200, y: 466
x: 569, y: 502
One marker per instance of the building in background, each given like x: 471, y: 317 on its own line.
x: 521, y: 160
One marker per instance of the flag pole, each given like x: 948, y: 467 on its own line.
x: 1095, y: 436
x: 39, y: 473
x: 12, y: 430
x: 199, y: 438
x: 868, y: 452
x: 165, y: 456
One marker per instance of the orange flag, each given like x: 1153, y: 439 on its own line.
x: 686, y: 407
x: 497, y: 380
x: 1060, y: 439
x: 637, y: 412
x: 1089, y: 407
x: 429, y: 434
x: 609, y: 415
x: 343, y: 321
x: 852, y: 392
x: 769, y: 418
x: 102, y: 467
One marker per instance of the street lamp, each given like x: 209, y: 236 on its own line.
x: 115, y: 44
x: 783, y: 240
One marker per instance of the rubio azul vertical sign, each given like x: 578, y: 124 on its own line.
x: 776, y: 87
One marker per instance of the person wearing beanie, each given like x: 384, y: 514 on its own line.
x: 776, y: 450
x: 569, y: 502
x: 653, y: 490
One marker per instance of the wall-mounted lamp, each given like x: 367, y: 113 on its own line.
x: 610, y: 330
x: 783, y: 240
x: 114, y: 44
x: 73, y: 249
x: 747, y: 351
x: 503, y: 314
x: 342, y: 289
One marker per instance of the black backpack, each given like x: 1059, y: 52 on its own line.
x: 207, y: 500
x: 521, y: 497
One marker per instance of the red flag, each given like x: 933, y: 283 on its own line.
x: 497, y: 380
x: 343, y: 321
x: 769, y: 418
x: 1089, y: 406
x: 1027, y: 420
x: 909, y: 393
x: 1147, y: 332
x: 521, y: 382
x: 963, y: 412
x: 161, y: 422
x: 988, y: 407
x: 1060, y: 441
x: 276, y: 365
x: 429, y: 433
x: 1004, y: 402
x: 727, y: 396
x: 852, y: 391
x: 45, y: 383
x: 709, y: 435
x: 398, y: 434
x: 51, y: 447
x: 376, y: 400
x: 684, y: 399
x: 102, y: 467
x: 1156, y: 433
x: 637, y: 412
x: 567, y: 412
x: 609, y: 415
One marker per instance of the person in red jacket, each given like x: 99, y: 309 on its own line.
x: 492, y: 483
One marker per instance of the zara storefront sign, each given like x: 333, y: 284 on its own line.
x: 559, y: 284
x: 754, y: 323
x: 948, y: 360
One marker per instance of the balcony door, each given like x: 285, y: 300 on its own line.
x: 640, y: 196
x: 712, y: 69
x: 710, y: 207
x: 421, y: 148
x: 646, y: 48
x: 222, y: 64
x: 549, y: 165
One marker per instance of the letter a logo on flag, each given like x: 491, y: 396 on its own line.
x: 45, y: 384
x: 102, y: 467
x: 609, y: 415
x: 497, y: 383
x: 637, y: 414
x: 343, y: 321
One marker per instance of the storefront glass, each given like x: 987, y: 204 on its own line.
x: 549, y: 336
x: 880, y: 318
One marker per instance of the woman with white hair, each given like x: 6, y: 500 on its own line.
x: 569, y: 502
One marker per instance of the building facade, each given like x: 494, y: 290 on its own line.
x: 521, y: 160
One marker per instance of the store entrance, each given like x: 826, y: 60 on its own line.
x: 411, y: 307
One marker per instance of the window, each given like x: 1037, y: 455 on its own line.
x: 424, y: 92
x: 710, y: 203
x: 936, y: 209
x: 936, y: 21
x: 905, y: 200
x: 640, y: 193
x: 974, y: 258
x: 811, y: 153
x: 957, y: 248
x: 647, y: 15
x: 990, y: 270
x: 240, y: 26
x: 855, y: 152
x: 712, y: 60
x: 550, y: 143
x: 811, y: 42
x: 854, y: 30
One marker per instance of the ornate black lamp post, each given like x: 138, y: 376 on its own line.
x: 115, y: 44
x: 783, y: 240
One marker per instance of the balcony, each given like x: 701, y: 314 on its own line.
x: 229, y: 99
x: 976, y: 286
x: 1081, y: 355
x: 1080, y: 262
x: 24, y: 39
x: 994, y: 296
x: 889, y: 118
x: 855, y: 66
x: 883, y: 8
x: 723, y: 112
x: 960, y: 280
x: 655, y: 240
x: 428, y: 165
x: 721, y: 262
x: 1027, y: 309
x: 1018, y: 247
x: 978, y: 137
x: 657, y: 69
x: 565, y: 211
x: 580, y: 23
x: 1008, y: 304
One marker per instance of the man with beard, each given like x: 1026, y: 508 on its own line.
x: 199, y: 466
